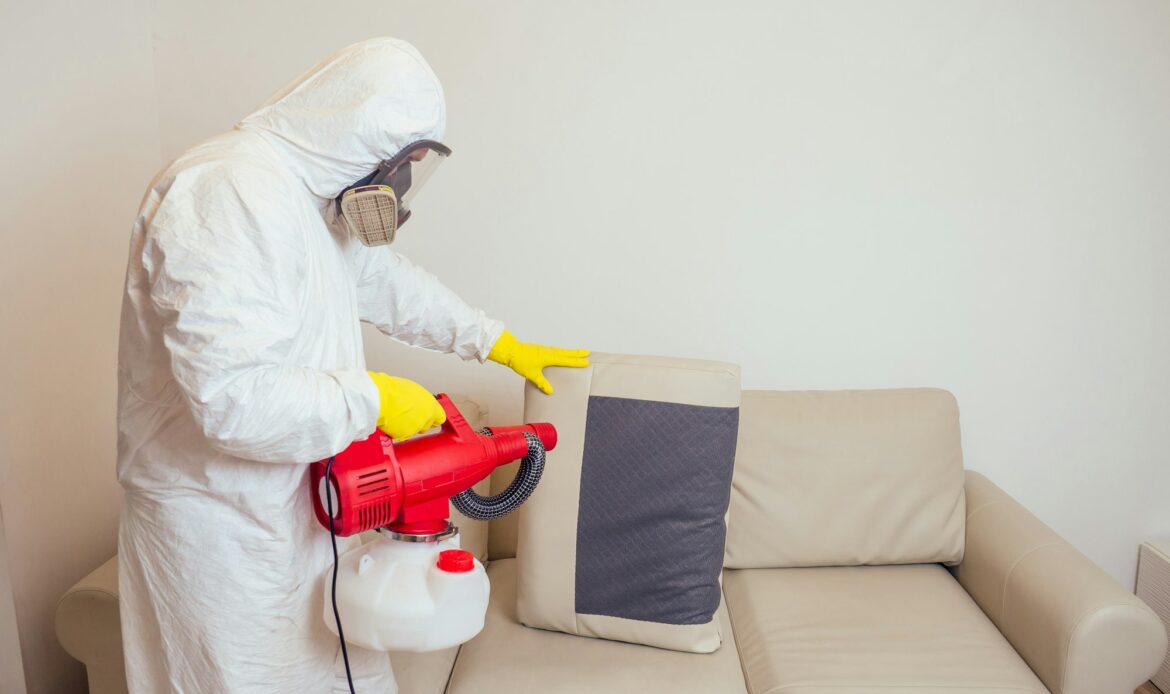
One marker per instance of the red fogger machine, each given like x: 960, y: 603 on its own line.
x: 404, y: 487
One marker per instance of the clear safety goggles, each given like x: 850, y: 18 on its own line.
x: 375, y: 206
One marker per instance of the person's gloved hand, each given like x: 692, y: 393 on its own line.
x: 406, y: 408
x: 529, y: 360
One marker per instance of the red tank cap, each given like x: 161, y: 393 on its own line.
x: 456, y: 561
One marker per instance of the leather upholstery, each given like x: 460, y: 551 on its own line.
x: 423, y: 673
x: 89, y: 628
x: 1079, y: 630
x: 507, y: 658
x: 842, y: 478
x: 502, y: 532
x: 834, y: 630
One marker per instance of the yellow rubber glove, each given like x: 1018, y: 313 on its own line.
x: 406, y: 408
x: 529, y: 360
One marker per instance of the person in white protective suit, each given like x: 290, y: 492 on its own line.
x: 241, y: 361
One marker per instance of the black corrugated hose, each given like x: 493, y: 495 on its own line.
x: 479, y: 507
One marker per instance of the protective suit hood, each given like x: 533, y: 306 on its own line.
x: 357, y: 107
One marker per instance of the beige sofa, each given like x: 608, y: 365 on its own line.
x: 1022, y: 611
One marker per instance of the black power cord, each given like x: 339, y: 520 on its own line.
x: 333, y: 591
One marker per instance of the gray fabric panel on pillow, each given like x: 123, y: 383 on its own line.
x: 655, y: 486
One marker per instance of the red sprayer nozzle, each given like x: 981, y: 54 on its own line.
x: 544, y: 431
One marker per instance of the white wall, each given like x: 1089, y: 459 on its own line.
x: 839, y: 194
x: 79, y: 143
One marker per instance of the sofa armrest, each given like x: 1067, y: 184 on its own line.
x: 1078, y: 630
x: 89, y: 628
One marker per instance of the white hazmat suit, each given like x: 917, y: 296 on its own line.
x: 241, y: 360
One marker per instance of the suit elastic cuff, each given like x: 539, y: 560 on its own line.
x: 492, y: 333
x: 363, y: 400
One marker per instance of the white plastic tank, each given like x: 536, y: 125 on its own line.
x: 394, y: 595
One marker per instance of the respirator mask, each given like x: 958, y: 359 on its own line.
x: 374, y: 207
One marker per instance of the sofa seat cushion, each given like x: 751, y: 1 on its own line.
x: 423, y: 673
x: 508, y: 657
x: 846, y: 630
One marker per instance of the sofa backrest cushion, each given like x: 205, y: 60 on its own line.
x: 844, y: 478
